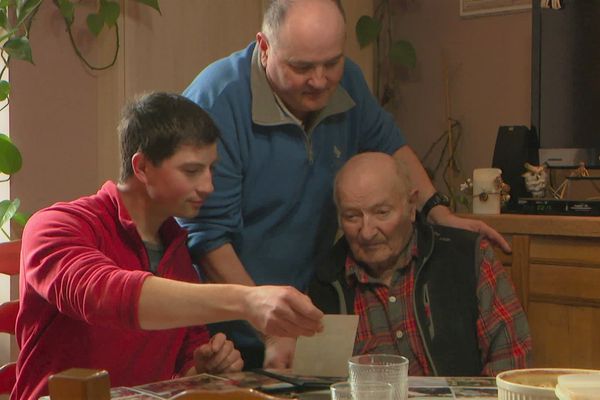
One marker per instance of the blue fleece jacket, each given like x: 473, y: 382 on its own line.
x: 273, y: 181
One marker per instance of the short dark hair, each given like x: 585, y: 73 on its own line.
x: 157, y: 124
x: 276, y: 12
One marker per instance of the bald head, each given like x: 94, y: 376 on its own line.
x: 365, y: 171
x: 277, y: 13
x: 376, y: 210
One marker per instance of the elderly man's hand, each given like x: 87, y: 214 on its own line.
x: 282, y: 311
x: 443, y: 216
x: 279, y: 352
x: 217, y: 356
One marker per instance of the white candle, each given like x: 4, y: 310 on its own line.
x: 484, y: 181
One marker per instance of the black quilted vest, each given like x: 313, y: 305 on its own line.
x: 447, y: 275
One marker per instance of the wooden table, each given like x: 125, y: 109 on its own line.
x: 419, y: 387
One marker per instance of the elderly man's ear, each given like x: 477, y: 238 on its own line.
x: 412, y: 203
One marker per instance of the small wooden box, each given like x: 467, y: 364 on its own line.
x: 80, y: 384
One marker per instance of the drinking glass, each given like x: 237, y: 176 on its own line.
x: 361, y: 391
x: 386, y: 368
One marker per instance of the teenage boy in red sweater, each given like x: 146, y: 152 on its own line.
x: 107, y: 281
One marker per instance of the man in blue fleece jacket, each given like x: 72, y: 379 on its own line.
x: 292, y: 109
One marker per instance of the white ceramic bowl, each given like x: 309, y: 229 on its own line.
x: 533, y: 383
x: 578, y: 386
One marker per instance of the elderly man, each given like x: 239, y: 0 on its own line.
x: 292, y: 109
x: 433, y: 294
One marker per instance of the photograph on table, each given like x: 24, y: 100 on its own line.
x: 476, y: 381
x: 429, y: 392
x: 472, y: 393
x: 170, y: 388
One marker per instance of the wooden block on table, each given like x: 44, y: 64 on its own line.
x: 79, y: 384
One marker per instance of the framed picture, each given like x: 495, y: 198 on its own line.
x: 475, y: 8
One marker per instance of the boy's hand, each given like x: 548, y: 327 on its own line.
x: 279, y: 352
x: 282, y: 311
x: 217, y: 356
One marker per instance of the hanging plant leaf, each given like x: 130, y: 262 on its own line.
x: 67, y: 10
x: 19, y: 48
x: 21, y: 218
x: 151, y: 3
x: 403, y: 53
x: 4, y: 3
x: 109, y: 10
x: 25, y: 8
x: 3, y: 19
x: 367, y: 30
x: 8, y: 209
x: 95, y: 23
x: 10, y: 156
x: 4, y: 90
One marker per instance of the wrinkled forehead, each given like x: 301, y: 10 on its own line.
x: 367, y: 194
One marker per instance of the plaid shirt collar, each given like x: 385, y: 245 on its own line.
x: 387, y: 325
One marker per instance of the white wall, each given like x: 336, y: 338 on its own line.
x: 489, y: 63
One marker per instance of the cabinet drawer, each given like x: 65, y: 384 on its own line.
x: 565, y: 284
x: 565, y: 251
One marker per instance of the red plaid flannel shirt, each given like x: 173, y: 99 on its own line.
x: 387, y: 322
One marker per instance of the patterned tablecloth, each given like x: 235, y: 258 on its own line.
x: 421, y: 388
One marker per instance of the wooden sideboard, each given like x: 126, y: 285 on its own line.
x: 555, y: 266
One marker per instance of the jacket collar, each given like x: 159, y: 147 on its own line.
x: 425, y: 241
x: 109, y: 194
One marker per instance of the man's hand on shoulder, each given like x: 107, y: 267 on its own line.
x: 443, y: 216
x: 282, y: 311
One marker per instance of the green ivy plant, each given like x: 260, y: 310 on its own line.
x: 106, y: 15
x: 389, y: 53
x: 10, y: 162
x: 16, y: 20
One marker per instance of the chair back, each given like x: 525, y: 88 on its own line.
x: 10, y: 253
